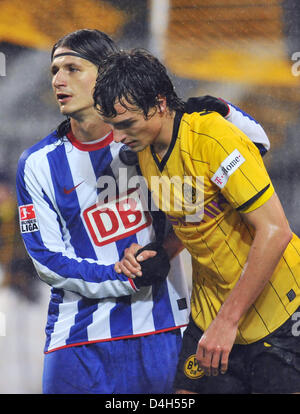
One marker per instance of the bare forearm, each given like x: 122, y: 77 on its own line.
x: 272, y: 235
x: 217, y: 341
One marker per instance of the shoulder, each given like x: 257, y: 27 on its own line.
x: 37, y: 150
x: 210, y: 129
x: 203, y: 123
x: 200, y: 130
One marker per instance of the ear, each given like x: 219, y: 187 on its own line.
x: 162, y: 103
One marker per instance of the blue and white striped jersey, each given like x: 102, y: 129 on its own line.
x: 249, y: 126
x: 74, y: 246
x: 74, y: 243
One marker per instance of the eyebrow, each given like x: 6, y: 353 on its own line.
x: 68, y: 65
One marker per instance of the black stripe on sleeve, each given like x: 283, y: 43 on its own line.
x: 253, y: 199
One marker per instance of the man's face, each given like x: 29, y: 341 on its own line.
x: 131, y: 128
x: 73, y: 81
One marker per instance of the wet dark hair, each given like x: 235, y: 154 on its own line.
x: 90, y: 44
x: 136, y: 78
x: 93, y: 45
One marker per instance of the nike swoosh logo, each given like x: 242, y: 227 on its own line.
x: 72, y: 189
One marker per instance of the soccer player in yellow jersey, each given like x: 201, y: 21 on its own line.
x: 246, y: 260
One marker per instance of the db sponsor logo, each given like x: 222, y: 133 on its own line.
x: 192, y: 369
x: 28, y: 220
x: 116, y: 219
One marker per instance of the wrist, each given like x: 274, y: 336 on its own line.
x: 229, y: 316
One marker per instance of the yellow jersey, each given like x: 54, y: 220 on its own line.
x: 211, y: 154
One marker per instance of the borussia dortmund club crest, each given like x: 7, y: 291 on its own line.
x: 189, y: 193
x: 192, y: 369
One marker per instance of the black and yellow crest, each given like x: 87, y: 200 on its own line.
x: 192, y: 369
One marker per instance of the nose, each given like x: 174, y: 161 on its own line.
x: 59, y: 80
x: 119, y: 136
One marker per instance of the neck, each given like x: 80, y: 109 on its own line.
x: 90, y: 128
x: 163, y: 141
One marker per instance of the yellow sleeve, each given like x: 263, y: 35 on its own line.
x: 259, y: 201
x: 235, y: 165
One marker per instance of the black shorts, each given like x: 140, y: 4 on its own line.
x: 268, y: 366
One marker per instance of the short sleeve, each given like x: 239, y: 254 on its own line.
x: 236, y: 166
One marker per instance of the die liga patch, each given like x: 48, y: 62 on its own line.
x: 28, y: 220
x: 228, y: 167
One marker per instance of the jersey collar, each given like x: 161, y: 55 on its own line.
x: 161, y: 163
x: 101, y: 143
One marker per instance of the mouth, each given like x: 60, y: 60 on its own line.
x: 63, y: 98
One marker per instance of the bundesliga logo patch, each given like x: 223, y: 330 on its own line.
x: 28, y: 220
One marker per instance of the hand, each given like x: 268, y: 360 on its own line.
x: 215, y: 346
x: 129, y: 265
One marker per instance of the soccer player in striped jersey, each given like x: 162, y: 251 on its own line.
x: 246, y: 260
x: 102, y: 332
